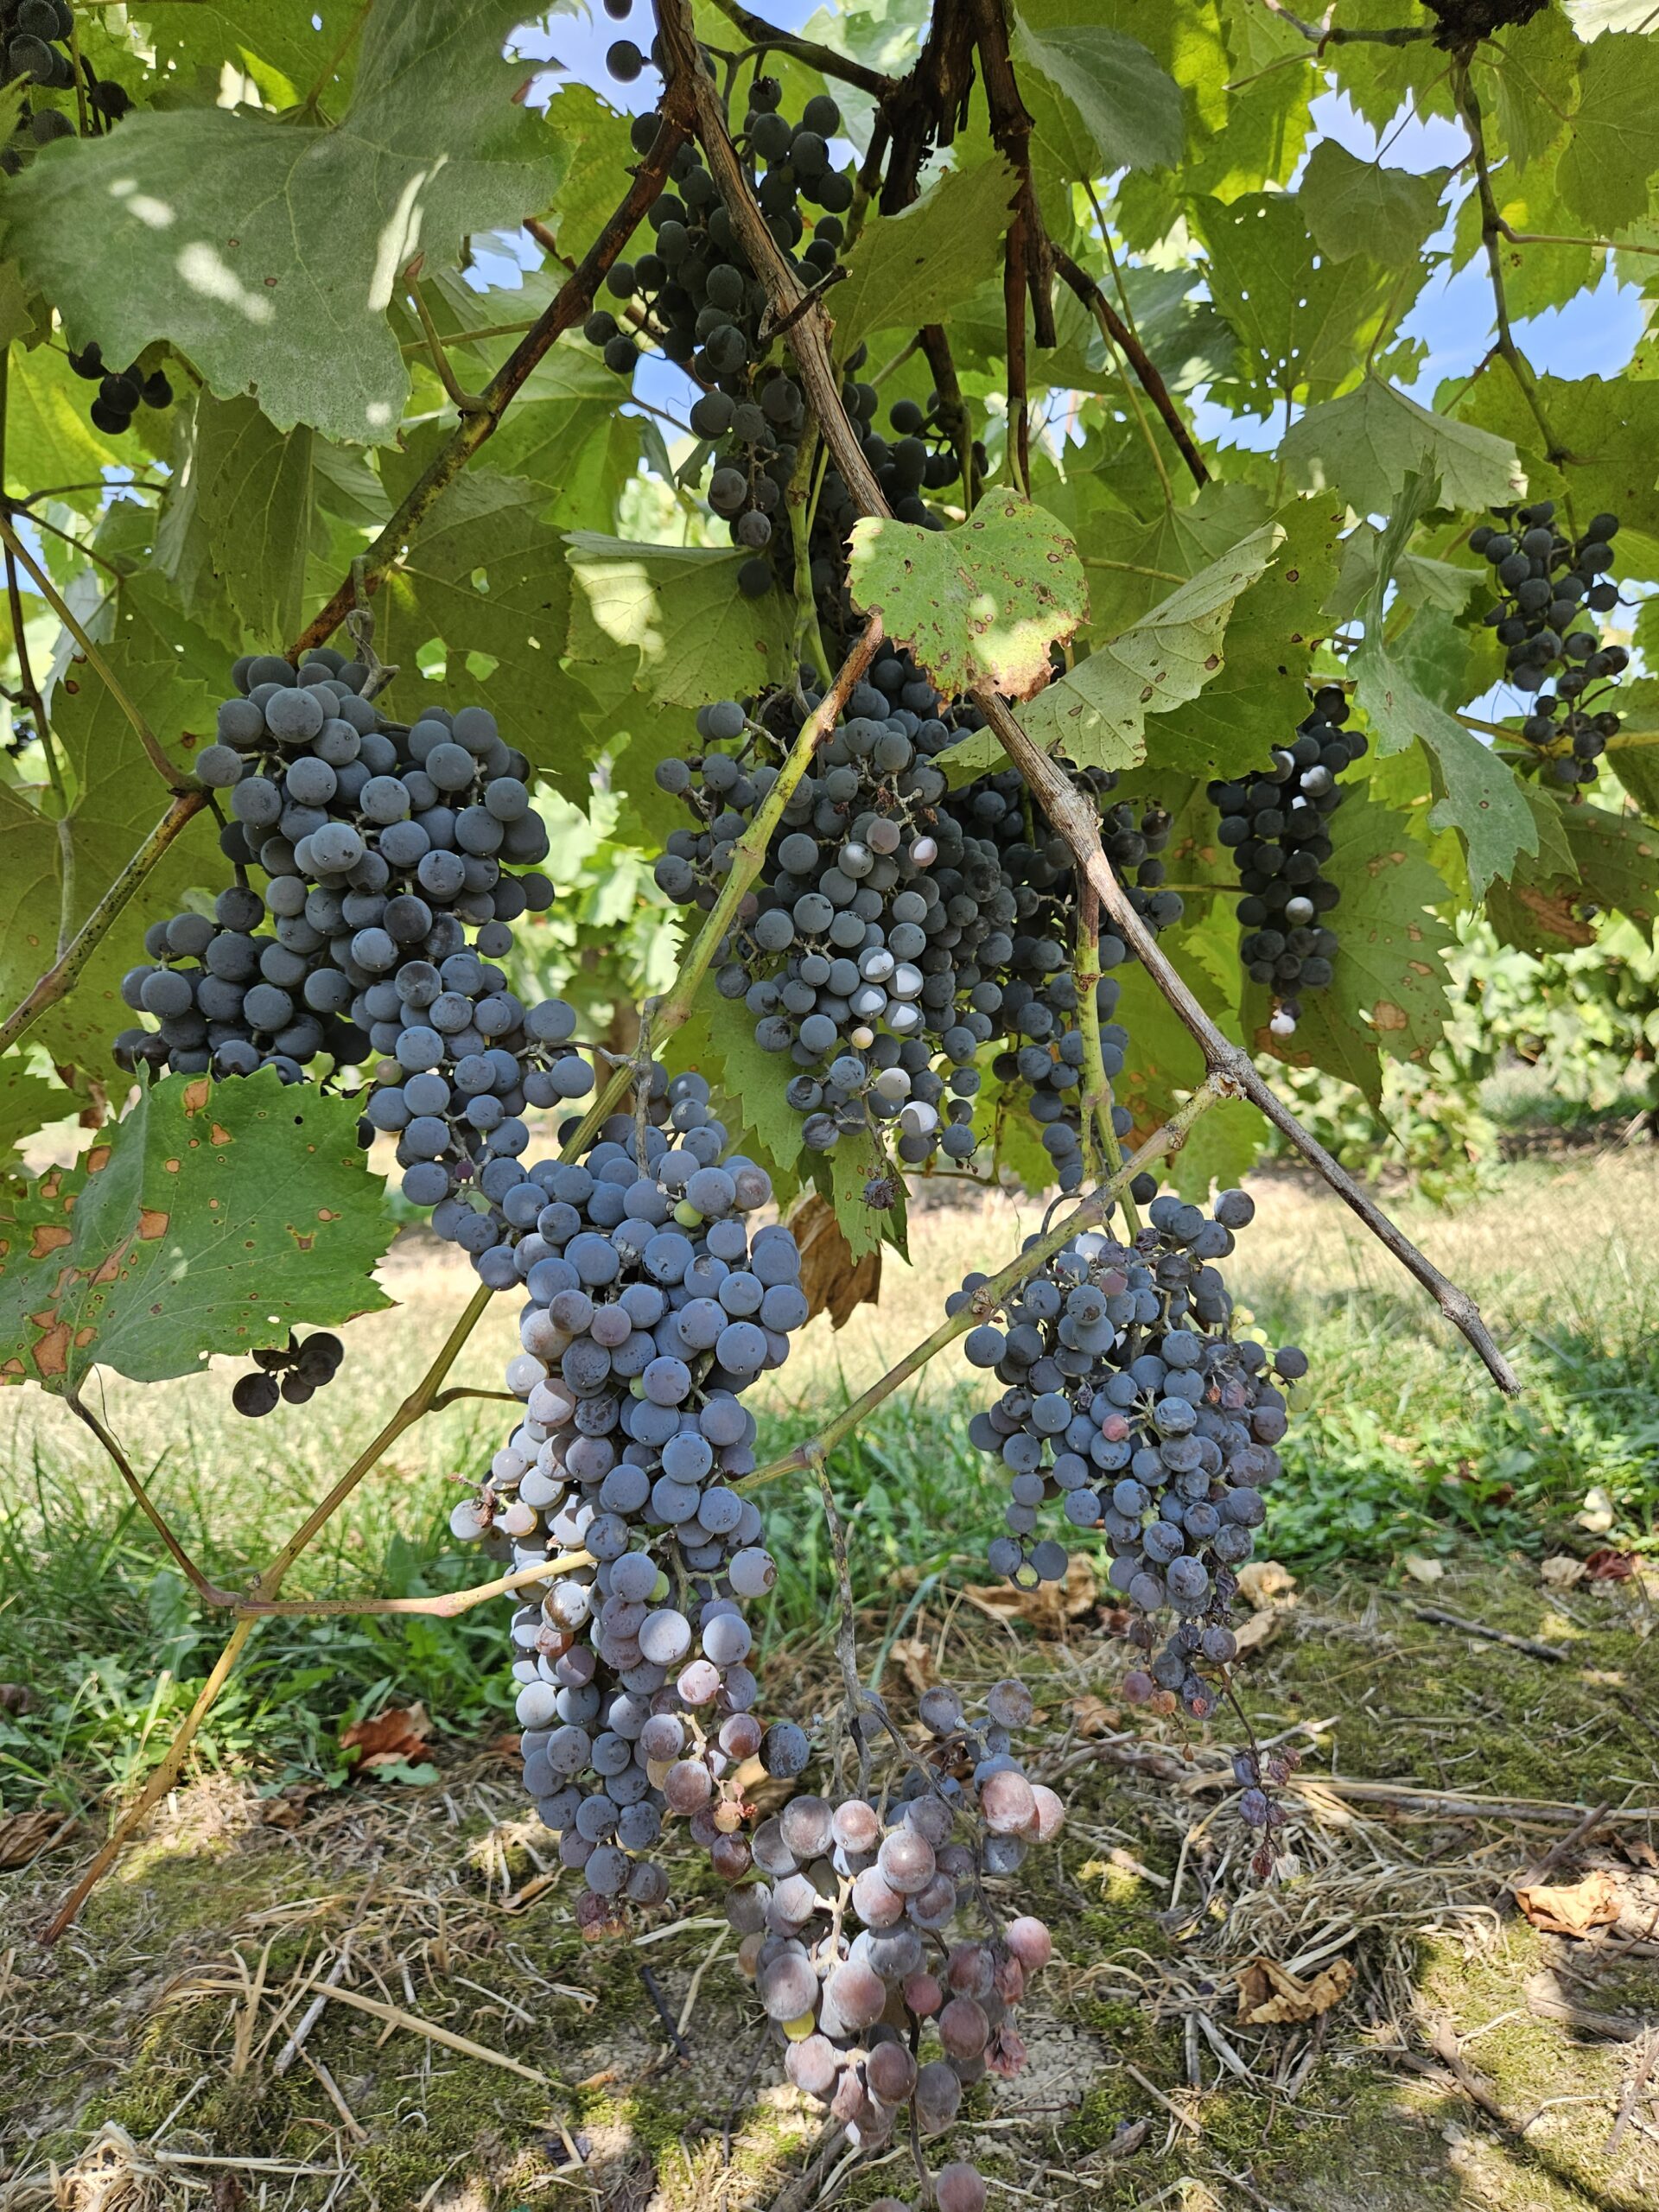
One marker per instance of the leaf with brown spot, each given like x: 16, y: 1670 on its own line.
x: 401, y: 1733
x: 834, y: 1281
x: 95, y: 1272
x: 1049, y: 1607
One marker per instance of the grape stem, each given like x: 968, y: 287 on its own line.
x: 65, y: 971
x: 1098, y: 1100
x: 1074, y: 817
x: 809, y: 1456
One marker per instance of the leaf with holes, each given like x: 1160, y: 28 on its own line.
x: 981, y: 604
x: 212, y: 1219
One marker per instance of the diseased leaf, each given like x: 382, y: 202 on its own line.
x: 1096, y: 715
x: 269, y: 249
x: 979, y: 604
x: 1387, y: 994
x: 1128, y: 108
x: 916, y: 267
x: 1367, y: 443
x: 679, y: 609
x: 1353, y: 206
x: 1483, y: 800
x: 212, y: 1219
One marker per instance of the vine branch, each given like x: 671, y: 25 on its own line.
x: 766, y: 38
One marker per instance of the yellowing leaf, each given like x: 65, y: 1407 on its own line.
x: 979, y: 604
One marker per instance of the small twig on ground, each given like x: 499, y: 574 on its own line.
x: 659, y: 2005
x: 1529, y: 1644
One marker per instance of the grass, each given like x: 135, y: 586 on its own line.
x: 1398, y: 1444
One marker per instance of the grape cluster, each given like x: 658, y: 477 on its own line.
x: 865, y: 926
x: 849, y: 1936
x: 293, y: 1372
x: 1274, y: 825
x: 382, y: 845
x: 651, y: 1307
x: 121, y: 392
x: 695, y: 293
x: 1028, y: 989
x: 1546, y: 583
x: 1129, y: 1396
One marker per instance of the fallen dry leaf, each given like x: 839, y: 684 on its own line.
x: 1091, y: 1716
x: 1269, y: 1996
x: 1572, y: 1908
x: 1264, y: 1581
x: 24, y: 1836
x: 915, y: 1655
x: 1561, y: 1571
x: 287, y: 1809
x: 1257, y: 1631
x: 1422, y: 1569
x: 15, y: 1697
x: 834, y: 1281
x: 1048, y: 1607
x: 389, y: 1738
x: 1608, y: 1565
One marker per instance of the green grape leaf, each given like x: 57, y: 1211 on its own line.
x: 49, y: 439
x: 678, y: 609
x: 211, y: 1219
x: 174, y: 673
x: 598, y: 151
x: 253, y: 488
x: 281, y: 44
x: 1096, y: 714
x: 29, y: 1102
x: 1303, y: 320
x: 1609, y: 158
x: 979, y: 604
x: 717, y: 1041
x: 1136, y: 563
x: 1615, y: 435
x: 1387, y: 994
x: 487, y: 575
x: 267, y: 250
x: 1128, y: 108
x: 1536, y: 66
x: 1617, y: 860
x: 1481, y: 798
x: 1352, y: 206
x: 918, y: 267
x: 1367, y: 443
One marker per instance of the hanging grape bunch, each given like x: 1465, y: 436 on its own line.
x: 382, y: 846
x: 1547, y: 583
x: 861, y: 932
x: 1128, y: 1398
x: 1027, y: 986
x: 293, y: 1372
x: 1276, y: 826
x: 878, y: 1998
x: 652, y: 1306
x: 121, y: 392
x: 695, y: 294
